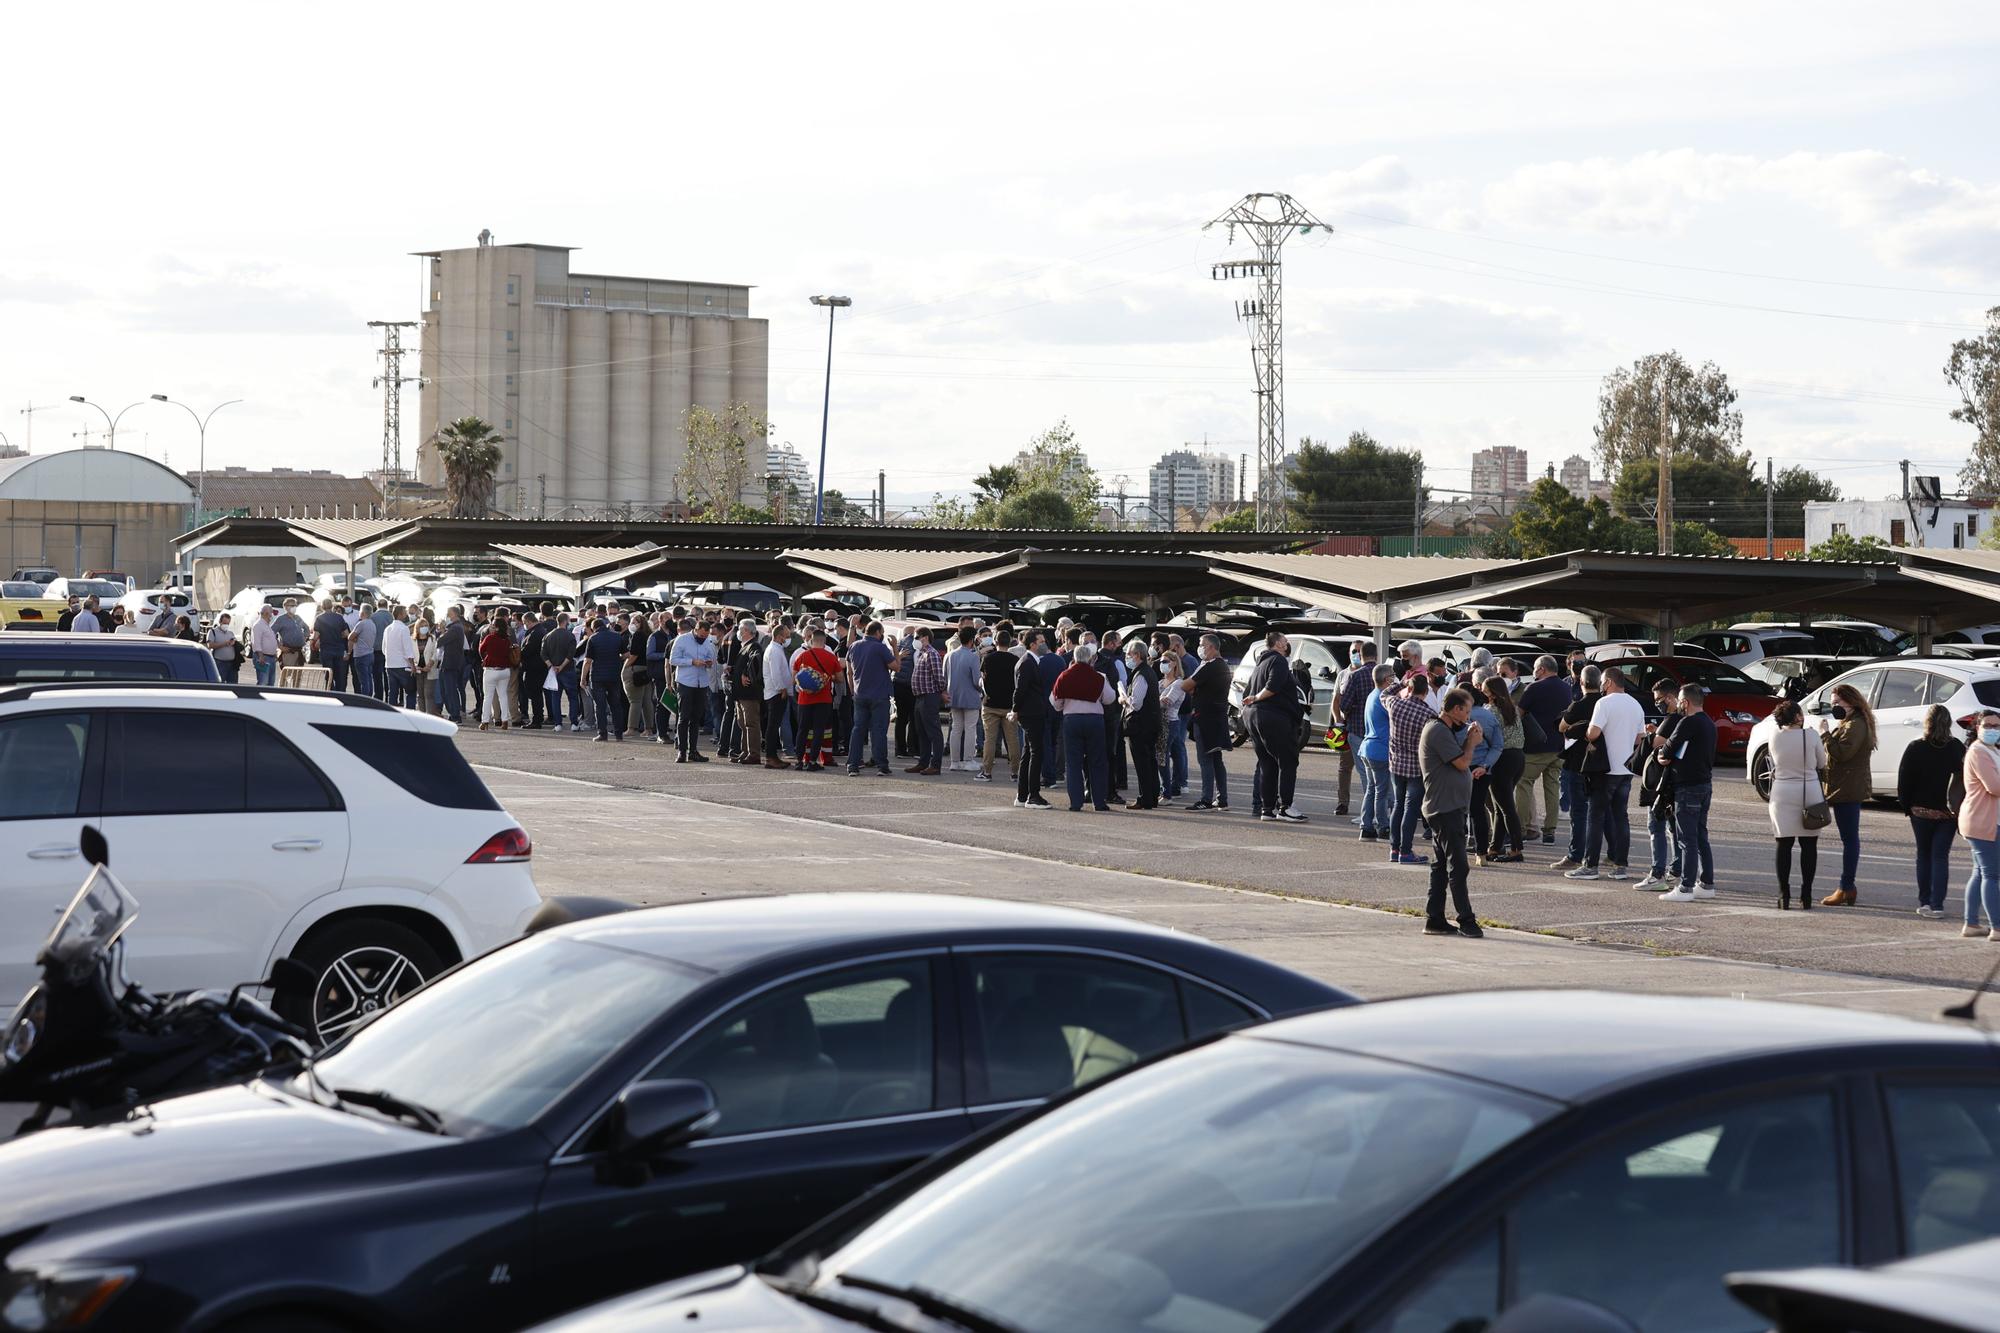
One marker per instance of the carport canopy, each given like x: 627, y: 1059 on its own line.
x: 576, y: 570
x: 349, y: 540
x: 900, y: 579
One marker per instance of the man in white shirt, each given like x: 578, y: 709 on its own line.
x: 777, y: 691
x: 399, y: 654
x: 1615, y: 725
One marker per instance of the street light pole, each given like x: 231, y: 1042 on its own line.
x: 201, y: 457
x: 832, y: 303
x: 109, y: 420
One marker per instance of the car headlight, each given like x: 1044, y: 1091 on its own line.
x: 1740, y: 719
x: 35, y: 1300
x: 31, y: 1017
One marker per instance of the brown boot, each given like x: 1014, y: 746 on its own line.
x: 778, y: 764
x: 1838, y: 898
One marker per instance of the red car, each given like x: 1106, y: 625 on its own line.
x: 1735, y: 702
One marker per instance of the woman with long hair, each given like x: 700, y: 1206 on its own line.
x: 496, y: 659
x: 1850, y: 739
x: 1796, y: 757
x: 1923, y: 785
x: 1979, y: 821
x: 1506, y: 774
x: 1173, y: 733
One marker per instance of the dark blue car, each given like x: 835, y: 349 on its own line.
x: 601, y: 1106
x: 26, y: 658
x: 1416, y: 1166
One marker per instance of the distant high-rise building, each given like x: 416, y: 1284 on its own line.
x: 587, y: 377
x: 1499, y: 473
x: 1184, y: 479
x: 1575, y: 476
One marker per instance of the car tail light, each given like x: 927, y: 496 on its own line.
x: 508, y: 845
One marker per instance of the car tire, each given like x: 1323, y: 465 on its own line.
x: 1760, y: 775
x: 359, y: 967
x: 1238, y: 733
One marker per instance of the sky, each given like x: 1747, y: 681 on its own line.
x: 211, y: 202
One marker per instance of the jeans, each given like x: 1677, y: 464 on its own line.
x: 1933, y: 859
x: 400, y: 692
x: 1608, y: 824
x: 231, y: 669
x: 1214, y: 777
x: 1276, y: 737
x: 1666, y: 845
x: 1378, y: 797
x: 1448, y: 869
x: 1083, y: 745
x: 871, y: 724
x: 336, y: 665
x: 1173, y: 769
x: 378, y: 674
x: 1982, y: 889
x: 1847, y: 820
x: 906, y: 715
x: 1579, y: 821
x: 607, y: 696
x: 694, y: 711
x: 930, y: 741
x: 267, y: 669
x: 1691, y: 824
x: 568, y: 686
x: 1403, y: 822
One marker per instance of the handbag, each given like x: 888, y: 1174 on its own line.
x: 1531, y: 730
x: 1818, y: 814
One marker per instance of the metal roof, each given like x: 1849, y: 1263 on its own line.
x: 575, y: 560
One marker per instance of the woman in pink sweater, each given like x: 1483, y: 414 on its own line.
x: 1979, y: 821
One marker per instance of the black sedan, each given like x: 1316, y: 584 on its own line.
x: 1416, y: 1166
x: 598, y: 1107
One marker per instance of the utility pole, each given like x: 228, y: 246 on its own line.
x: 1664, y: 512
x: 881, y: 496
x: 1173, y: 494
x: 541, y: 494
x: 1417, y: 509
x: 1267, y: 221
x: 832, y: 303
x: 1909, y: 510
x: 391, y: 382
x: 1770, y: 513
x: 1242, y: 475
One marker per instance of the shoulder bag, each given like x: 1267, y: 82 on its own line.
x: 1816, y: 814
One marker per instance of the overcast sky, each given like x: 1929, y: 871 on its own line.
x: 210, y: 201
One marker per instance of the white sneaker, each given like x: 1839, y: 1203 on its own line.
x: 1677, y: 896
x: 1994, y: 935
x: 1928, y: 912
x: 1972, y: 932
x: 1650, y: 880
x: 1704, y: 891
x: 1581, y: 872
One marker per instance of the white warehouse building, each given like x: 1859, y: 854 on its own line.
x: 1947, y: 525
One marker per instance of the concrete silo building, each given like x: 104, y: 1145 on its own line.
x: 588, y: 377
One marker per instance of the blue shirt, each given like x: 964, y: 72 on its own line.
x: 1490, y: 740
x: 1049, y: 666
x: 868, y: 661
x: 1376, y: 746
x: 605, y: 651
x: 685, y: 655
x: 909, y: 646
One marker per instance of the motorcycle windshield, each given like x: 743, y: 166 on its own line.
x: 100, y: 913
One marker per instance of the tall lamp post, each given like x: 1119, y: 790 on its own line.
x: 201, y: 458
x: 832, y: 303
x: 109, y: 420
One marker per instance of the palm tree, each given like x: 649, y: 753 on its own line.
x: 469, y: 449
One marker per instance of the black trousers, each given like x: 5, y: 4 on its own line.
x: 906, y: 717
x: 815, y: 726
x: 1144, y: 738
x: 1114, y: 749
x: 774, y: 720
x: 843, y: 722
x: 1448, y: 868
x: 607, y: 695
x: 1276, y: 739
x: 1505, y: 778
x: 1027, y: 785
x: 694, y: 711
x: 528, y: 709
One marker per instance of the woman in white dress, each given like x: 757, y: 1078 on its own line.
x: 1796, y: 759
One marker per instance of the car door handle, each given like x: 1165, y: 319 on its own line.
x: 52, y: 854
x: 296, y: 845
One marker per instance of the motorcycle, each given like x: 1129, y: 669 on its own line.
x: 87, y: 1040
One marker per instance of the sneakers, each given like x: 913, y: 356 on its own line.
x: 1928, y: 912
x: 1677, y: 895
x: 1581, y: 872
x: 1548, y: 837
x: 1567, y: 863
x: 1619, y: 872
x: 1476, y: 858
x: 1652, y: 877
x: 1703, y: 892
x: 1369, y: 835
x: 1439, y: 928
x: 1269, y: 815
x: 982, y: 777
x: 1204, y: 805
x: 1994, y: 936
x: 1410, y: 859
x: 1291, y: 816
x: 1471, y: 930
x: 1971, y: 932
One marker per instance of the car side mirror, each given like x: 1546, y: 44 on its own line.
x: 657, y: 1116
x: 1560, y: 1314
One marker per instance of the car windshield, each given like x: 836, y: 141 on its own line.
x: 493, y: 1044
x: 1210, y: 1191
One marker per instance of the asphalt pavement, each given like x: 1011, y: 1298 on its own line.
x: 718, y: 827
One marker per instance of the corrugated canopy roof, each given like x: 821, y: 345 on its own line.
x: 575, y: 560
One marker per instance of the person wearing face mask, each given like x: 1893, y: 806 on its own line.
x: 1796, y: 759
x: 996, y: 700
x: 961, y: 683
x: 1979, y: 821
x: 1141, y: 697
x: 423, y: 667
x: 692, y: 659
x: 1210, y: 687
x: 1850, y: 738
x: 1931, y: 764
x: 1274, y: 706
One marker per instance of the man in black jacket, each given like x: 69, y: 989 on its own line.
x: 746, y: 692
x: 1031, y: 712
x: 1656, y: 792
x: 996, y: 700
x: 1575, y: 726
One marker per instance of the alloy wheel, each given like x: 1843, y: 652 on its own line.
x: 357, y: 985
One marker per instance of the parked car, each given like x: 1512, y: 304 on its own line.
x: 1734, y: 703
x: 22, y: 606
x: 1953, y: 1291
x: 1315, y: 669
x: 117, y: 576
x: 104, y: 591
x: 1851, y: 638
x: 1795, y: 677
x: 1237, y: 641
x: 1899, y: 690
x: 1973, y: 634
x: 1612, y: 650
x: 1979, y: 652
x: 68, y: 655
x: 145, y: 604
x: 1411, y: 1165
x: 610, y: 1102
x: 1514, y: 632
x: 1741, y: 646
x: 335, y: 830
x: 40, y: 575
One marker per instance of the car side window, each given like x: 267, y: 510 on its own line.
x: 1901, y: 689
x: 1460, y: 1292
x: 279, y: 778
x: 1052, y: 1022
x: 838, y: 1046
x: 1939, y: 689
x: 41, y: 764
x: 1209, y: 1010
x: 1863, y: 681
x: 1947, y: 1162
x: 1648, y: 1224
x: 174, y: 763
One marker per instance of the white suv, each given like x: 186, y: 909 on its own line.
x: 255, y: 825
x: 1900, y: 691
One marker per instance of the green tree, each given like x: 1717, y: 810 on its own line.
x: 1845, y: 546
x: 734, y: 512
x: 720, y: 445
x: 996, y: 483
x: 1056, y: 462
x: 1243, y: 520
x: 1041, y: 507
x: 469, y: 451
x: 1550, y: 521
x: 1362, y: 487
x: 1700, y: 405
x: 946, y: 511
x: 1691, y: 538
x: 1974, y: 370
x: 1727, y: 494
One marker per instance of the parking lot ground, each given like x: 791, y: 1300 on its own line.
x: 623, y: 820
